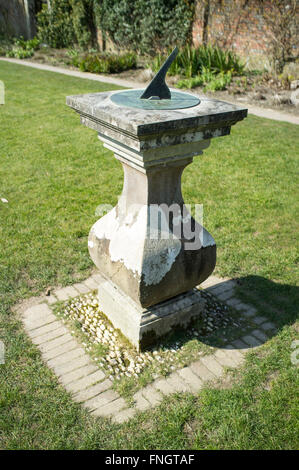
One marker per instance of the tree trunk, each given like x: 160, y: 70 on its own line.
x: 27, y: 18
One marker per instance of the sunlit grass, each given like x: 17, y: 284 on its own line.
x: 54, y: 173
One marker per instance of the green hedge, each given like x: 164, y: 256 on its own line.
x: 144, y: 26
x: 112, y: 63
x: 55, y: 26
x: 147, y: 26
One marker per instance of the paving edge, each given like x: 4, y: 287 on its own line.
x: 88, y: 384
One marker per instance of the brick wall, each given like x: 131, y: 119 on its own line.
x: 236, y: 25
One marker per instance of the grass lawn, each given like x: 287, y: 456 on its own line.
x: 54, y: 173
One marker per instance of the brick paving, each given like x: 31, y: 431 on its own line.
x: 88, y: 384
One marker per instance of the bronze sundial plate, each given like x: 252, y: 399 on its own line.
x: 132, y: 99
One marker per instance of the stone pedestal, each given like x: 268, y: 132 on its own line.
x: 149, y: 249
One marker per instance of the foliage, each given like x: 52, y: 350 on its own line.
x: 219, y: 82
x: 206, y: 66
x: 83, y: 17
x: 281, y: 19
x: 212, y: 81
x: 108, y: 63
x: 23, y: 49
x: 5, y: 45
x: 146, y: 26
x: 73, y: 54
x: 192, y: 61
x: 248, y: 182
x: 55, y: 25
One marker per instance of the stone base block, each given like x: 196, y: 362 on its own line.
x: 143, y: 326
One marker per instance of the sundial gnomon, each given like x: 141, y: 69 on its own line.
x: 157, y: 95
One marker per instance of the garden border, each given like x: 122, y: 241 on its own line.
x: 88, y: 383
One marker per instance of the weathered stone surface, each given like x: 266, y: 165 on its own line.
x: 260, y: 335
x: 145, y: 259
x: 141, y: 402
x: 142, y: 326
x: 151, y: 395
x: 110, y: 409
x: 93, y: 391
x: 66, y: 292
x: 77, y: 374
x: 154, y: 147
x: 268, y: 326
x: 258, y: 320
x: 211, y: 364
x: 194, y: 382
x: 32, y: 322
x: 66, y: 358
x: 251, y: 341
x: 202, y: 371
x: 82, y: 288
x: 70, y: 365
x: 122, y: 416
x: 126, y: 123
x: 178, y: 383
x: 163, y: 386
x: 86, y: 381
x: 52, y: 334
x: 55, y: 325
x: 37, y: 311
x: 102, y: 399
x: 58, y: 350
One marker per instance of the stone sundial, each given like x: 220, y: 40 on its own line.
x: 150, y: 251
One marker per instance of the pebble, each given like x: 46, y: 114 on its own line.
x: 85, y: 310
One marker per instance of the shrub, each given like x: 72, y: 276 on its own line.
x: 192, y: 61
x: 146, y: 26
x: 31, y: 44
x: 83, y: 17
x: 55, y: 26
x: 20, y: 53
x: 212, y: 81
x: 108, y: 63
x: 23, y: 49
x: 74, y: 57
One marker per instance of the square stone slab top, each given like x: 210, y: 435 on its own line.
x: 101, y: 112
x: 147, y: 139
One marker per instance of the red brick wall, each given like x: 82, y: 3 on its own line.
x: 237, y: 25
